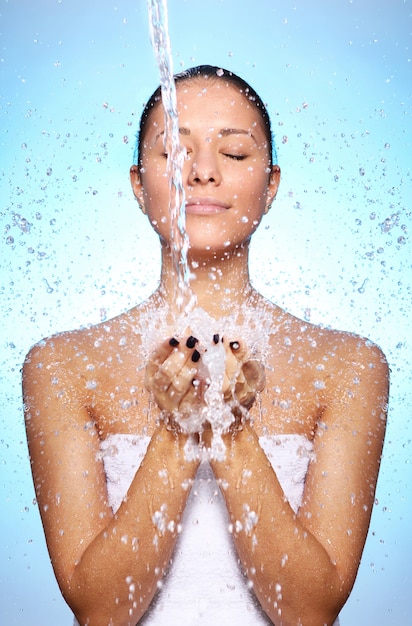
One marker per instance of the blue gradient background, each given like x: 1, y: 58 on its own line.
x: 335, y: 248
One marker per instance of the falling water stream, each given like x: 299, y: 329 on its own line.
x: 159, y: 35
x: 215, y: 410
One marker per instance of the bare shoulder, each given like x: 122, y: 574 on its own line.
x: 347, y: 343
x: 332, y: 348
x: 347, y: 350
x: 328, y: 368
x: 356, y: 382
x: 57, y: 353
x: 88, y: 346
x: 54, y: 389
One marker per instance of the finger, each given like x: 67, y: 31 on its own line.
x: 236, y: 353
x: 235, y: 347
x: 165, y: 349
x: 170, y: 372
x: 182, y: 381
x: 172, y: 366
x: 232, y: 371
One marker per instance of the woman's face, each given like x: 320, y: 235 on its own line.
x: 226, y: 174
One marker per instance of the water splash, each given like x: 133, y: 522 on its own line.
x: 251, y: 323
x: 159, y: 35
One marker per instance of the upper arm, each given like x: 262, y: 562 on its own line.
x: 63, y: 444
x: 340, y: 485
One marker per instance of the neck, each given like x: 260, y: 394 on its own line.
x: 219, y: 281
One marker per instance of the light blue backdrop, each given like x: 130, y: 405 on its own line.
x: 335, y: 248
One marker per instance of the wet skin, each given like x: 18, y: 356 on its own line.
x: 330, y: 386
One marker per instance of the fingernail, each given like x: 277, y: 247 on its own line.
x: 195, y: 356
x: 191, y: 342
x: 216, y: 338
x: 235, y: 345
x: 173, y: 342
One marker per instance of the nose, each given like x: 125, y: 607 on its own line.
x: 204, y: 169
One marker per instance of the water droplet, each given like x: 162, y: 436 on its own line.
x: 49, y: 289
x: 21, y: 223
x: 238, y: 526
x: 389, y: 223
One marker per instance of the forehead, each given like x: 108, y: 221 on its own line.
x: 213, y: 92
x: 212, y: 103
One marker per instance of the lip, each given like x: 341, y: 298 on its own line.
x: 205, y: 206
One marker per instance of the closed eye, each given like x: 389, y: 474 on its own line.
x: 235, y: 157
x: 187, y: 154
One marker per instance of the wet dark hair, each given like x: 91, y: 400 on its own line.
x: 214, y: 73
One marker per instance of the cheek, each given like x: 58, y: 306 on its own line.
x: 155, y: 185
x: 254, y: 188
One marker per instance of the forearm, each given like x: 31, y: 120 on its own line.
x: 119, y: 571
x: 292, y: 574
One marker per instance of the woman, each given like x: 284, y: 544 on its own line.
x: 155, y: 508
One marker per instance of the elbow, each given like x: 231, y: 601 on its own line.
x: 304, y: 617
x: 320, y: 618
x: 94, y: 608
x: 97, y: 616
x: 307, y: 610
x: 321, y: 611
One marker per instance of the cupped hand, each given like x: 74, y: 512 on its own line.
x: 172, y: 375
x: 178, y: 380
x: 244, y: 377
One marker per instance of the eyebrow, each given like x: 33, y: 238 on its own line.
x: 224, y: 132
x: 182, y: 131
